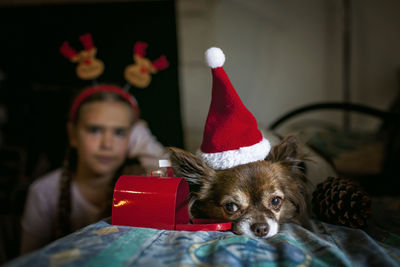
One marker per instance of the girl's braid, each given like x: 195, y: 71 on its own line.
x: 109, y: 195
x: 63, y: 225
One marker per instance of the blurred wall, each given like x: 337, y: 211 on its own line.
x: 284, y: 54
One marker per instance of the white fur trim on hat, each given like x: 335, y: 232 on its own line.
x: 214, y: 57
x: 232, y: 158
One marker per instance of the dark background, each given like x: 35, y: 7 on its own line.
x: 39, y: 82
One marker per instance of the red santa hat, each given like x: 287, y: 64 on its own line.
x: 231, y: 136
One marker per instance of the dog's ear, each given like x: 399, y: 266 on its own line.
x: 288, y: 152
x: 192, y: 168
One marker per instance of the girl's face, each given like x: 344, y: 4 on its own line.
x: 101, y: 136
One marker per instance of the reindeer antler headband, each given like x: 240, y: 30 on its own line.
x: 102, y: 88
x: 138, y: 74
x: 89, y: 67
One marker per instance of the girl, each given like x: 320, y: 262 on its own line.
x: 103, y: 129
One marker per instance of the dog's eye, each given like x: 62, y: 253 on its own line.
x: 276, y: 202
x: 231, y: 207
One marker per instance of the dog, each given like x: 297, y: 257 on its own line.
x: 256, y: 197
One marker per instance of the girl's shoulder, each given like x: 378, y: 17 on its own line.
x: 140, y: 125
x: 47, y: 182
x: 43, y: 193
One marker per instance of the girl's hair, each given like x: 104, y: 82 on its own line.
x: 100, y: 93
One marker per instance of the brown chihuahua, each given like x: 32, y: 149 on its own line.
x: 256, y: 197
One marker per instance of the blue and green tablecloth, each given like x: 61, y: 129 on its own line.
x: 103, y: 244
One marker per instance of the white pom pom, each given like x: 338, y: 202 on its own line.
x: 214, y: 57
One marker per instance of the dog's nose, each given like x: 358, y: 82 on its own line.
x: 260, y: 229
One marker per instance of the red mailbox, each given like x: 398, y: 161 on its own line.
x: 157, y: 202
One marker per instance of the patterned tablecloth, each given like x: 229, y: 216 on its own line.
x: 103, y: 244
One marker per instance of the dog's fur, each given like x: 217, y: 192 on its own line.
x: 256, y: 197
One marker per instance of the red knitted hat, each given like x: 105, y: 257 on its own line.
x: 231, y: 136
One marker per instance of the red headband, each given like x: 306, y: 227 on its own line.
x: 102, y: 88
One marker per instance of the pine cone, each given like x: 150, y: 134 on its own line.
x: 341, y: 201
